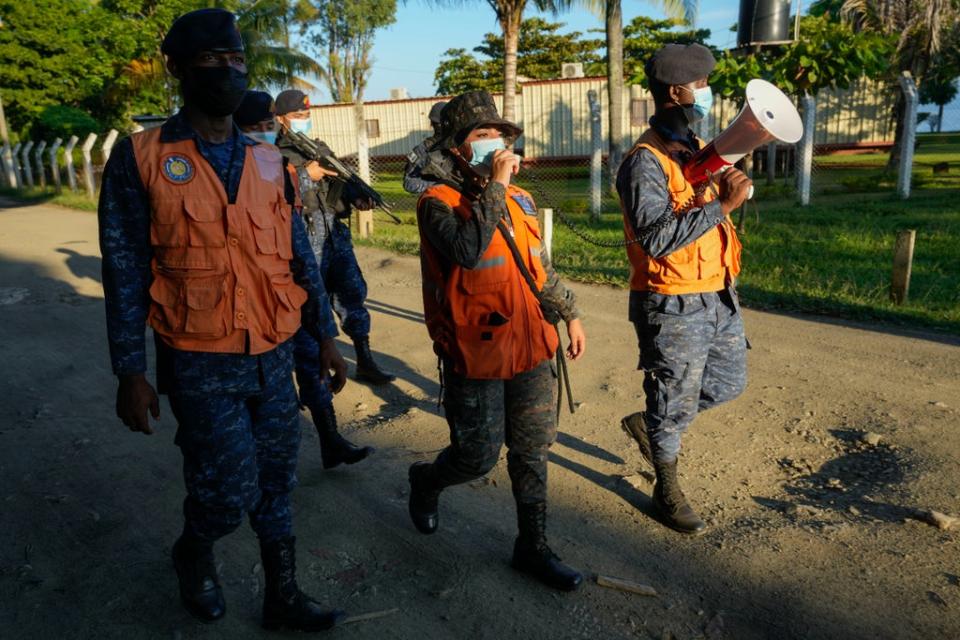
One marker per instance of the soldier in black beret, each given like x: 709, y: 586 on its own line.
x: 684, y: 256
x: 198, y: 242
x: 255, y: 116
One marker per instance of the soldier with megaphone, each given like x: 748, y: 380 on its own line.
x: 684, y: 258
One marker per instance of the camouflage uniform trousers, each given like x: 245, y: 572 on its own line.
x: 693, y: 354
x: 239, y: 457
x: 483, y: 414
x: 341, y: 273
x: 314, y: 385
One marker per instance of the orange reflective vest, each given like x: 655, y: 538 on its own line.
x: 221, y: 272
x: 486, y: 319
x: 704, y: 265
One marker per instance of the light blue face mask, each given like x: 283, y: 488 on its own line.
x: 483, y: 151
x: 702, y: 102
x: 269, y: 137
x: 301, y: 126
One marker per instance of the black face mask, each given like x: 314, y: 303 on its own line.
x: 216, y: 91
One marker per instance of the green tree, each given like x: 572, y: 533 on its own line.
x: 921, y: 28
x: 829, y: 53
x: 541, y: 52
x: 510, y: 16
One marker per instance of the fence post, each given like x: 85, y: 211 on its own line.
x: 805, y: 161
x: 54, y: 165
x: 546, y: 230
x: 68, y: 160
x: 909, y: 89
x: 38, y: 160
x: 8, y: 166
x: 902, y: 265
x: 88, y: 164
x: 771, y: 162
x: 25, y: 163
x: 108, y: 143
x: 596, y: 155
x: 15, y: 163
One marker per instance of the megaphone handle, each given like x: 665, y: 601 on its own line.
x: 750, y: 193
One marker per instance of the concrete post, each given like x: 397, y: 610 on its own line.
x: 596, y: 155
x: 68, y: 161
x: 25, y: 163
x: 771, y: 162
x: 88, y: 182
x: 108, y: 143
x: 38, y: 160
x: 909, y: 88
x: 54, y: 165
x: 5, y: 158
x: 805, y: 150
x: 15, y: 163
x: 545, y: 217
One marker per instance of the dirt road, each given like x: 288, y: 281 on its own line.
x: 810, y: 537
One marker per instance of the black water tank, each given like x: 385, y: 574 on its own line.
x: 763, y: 21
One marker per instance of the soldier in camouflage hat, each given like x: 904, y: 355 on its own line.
x: 495, y: 338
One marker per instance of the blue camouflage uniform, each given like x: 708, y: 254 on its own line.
x: 237, y: 414
x: 332, y: 243
x: 414, y: 180
x: 692, y: 346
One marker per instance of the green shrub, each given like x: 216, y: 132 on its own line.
x: 62, y: 122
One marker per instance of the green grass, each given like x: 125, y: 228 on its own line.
x: 65, y: 199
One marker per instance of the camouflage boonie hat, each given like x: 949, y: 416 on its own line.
x: 468, y: 111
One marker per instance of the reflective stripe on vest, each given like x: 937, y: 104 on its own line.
x: 486, y: 319
x: 704, y: 265
x: 221, y: 272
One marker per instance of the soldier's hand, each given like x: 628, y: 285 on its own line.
x: 578, y: 339
x: 364, y: 204
x: 333, y: 363
x: 506, y: 164
x: 134, y: 397
x: 734, y: 189
x: 318, y: 173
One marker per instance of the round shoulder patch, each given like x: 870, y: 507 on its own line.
x: 178, y: 169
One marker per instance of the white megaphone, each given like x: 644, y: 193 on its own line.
x: 768, y: 115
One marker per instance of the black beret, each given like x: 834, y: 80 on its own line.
x: 202, y: 30
x: 291, y: 101
x: 680, y: 64
x: 255, y: 107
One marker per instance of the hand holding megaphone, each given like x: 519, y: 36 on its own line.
x: 735, y: 189
x: 767, y: 115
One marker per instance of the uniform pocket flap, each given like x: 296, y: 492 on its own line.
x: 204, y: 294
x: 165, y: 292
x: 166, y: 211
x: 203, y: 210
x: 292, y: 297
x: 263, y: 217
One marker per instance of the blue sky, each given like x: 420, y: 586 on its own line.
x: 406, y: 54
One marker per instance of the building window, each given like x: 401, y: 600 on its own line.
x: 373, y: 128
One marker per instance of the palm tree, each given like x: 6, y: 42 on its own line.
x: 922, y: 27
x: 612, y: 12
x: 271, y: 60
x: 510, y: 15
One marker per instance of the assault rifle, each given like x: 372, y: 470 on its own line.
x: 322, y: 154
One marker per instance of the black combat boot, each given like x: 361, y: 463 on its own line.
x: 636, y: 427
x: 424, y: 498
x: 531, y: 554
x: 334, y: 448
x: 367, y: 369
x: 200, y: 589
x: 284, y: 605
x: 672, y: 504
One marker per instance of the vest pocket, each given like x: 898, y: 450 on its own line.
x: 264, y: 229
x: 167, y: 226
x: 167, y: 310
x: 204, y: 302
x: 486, y: 351
x: 205, y: 223
x: 290, y: 297
x: 491, y: 273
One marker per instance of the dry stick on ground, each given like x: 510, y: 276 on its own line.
x: 626, y: 585
x: 361, y: 617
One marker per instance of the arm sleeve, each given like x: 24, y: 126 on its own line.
x: 642, y: 185
x: 412, y: 182
x: 124, y: 224
x: 464, y: 241
x: 316, y: 315
x: 555, y: 297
